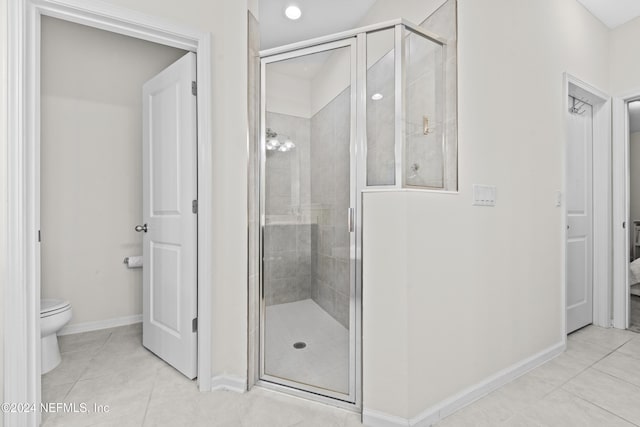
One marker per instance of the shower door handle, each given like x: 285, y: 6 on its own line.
x: 350, y: 219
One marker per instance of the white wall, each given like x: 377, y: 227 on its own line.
x: 623, y: 59
x: 480, y: 288
x: 91, y: 166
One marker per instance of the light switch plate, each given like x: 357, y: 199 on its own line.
x: 484, y: 195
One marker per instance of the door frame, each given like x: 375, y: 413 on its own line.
x: 602, y: 218
x: 354, y: 397
x: 22, y: 293
x: 621, y: 207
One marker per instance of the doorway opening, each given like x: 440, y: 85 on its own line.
x: 587, y: 222
x: 114, y: 119
x: 633, y: 113
x: 22, y: 303
x: 579, y: 202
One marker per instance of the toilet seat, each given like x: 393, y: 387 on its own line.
x: 50, y: 307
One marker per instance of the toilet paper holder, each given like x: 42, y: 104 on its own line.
x: 133, y: 261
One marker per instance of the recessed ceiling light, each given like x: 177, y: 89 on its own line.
x: 377, y: 96
x: 293, y: 12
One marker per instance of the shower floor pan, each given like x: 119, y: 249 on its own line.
x: 323, y: 360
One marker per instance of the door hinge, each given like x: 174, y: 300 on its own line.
x: 194, y: 206
x: 624, y: 224
x: 194, y: 88
x: 39, y: 236
x: 194, y: 325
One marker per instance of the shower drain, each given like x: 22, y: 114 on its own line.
x: 299, y: 345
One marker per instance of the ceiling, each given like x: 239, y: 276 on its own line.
x: 634, y: 116
x: 613, y: 13
x: 319, y: 17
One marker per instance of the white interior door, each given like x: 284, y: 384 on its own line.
x: 170, y: 223
x: 580, y: 220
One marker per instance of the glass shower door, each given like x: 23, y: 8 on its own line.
x: 307, y: 219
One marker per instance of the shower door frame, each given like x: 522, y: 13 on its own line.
x: 357, y: 39
x: 354, y: 396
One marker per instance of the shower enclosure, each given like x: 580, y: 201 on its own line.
x: 357, y: 111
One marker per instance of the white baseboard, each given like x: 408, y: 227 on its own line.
x: 371, y: 418
x: 465, y: 397
x: 229, y: 383
x: 100, y: 324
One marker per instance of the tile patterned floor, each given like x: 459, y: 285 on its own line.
x: 634, y: 315
x: 112, y: 368
x: 596, y: 382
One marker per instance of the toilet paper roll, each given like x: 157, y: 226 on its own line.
x: 134, y: 261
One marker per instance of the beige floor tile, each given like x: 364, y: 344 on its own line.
x: 72, y: 366
x: 521, y: 420
x: 125, y: 421
x: 559, y: 370
x: 597, y: 388
x: 491, y: 410
x: 605, y: 337
x: 561, y: 408
x: 83, y: 341
x: 134, y: 329
x: 525, y: 391
x: 585, y: 353
x: 56, y: 392
x: 632, y: 347
x: 271, y: 409
x: 621, y: 366
x: 136, y: 359
x: 353, y: 420
x: 607, y: 392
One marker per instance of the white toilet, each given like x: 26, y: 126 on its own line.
x: 54, y: 314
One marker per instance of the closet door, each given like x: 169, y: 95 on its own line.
x: 580, y: 219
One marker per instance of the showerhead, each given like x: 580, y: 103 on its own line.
x: 274, y: 144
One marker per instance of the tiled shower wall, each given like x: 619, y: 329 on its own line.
x: 423, y: 98
x: 306, y: 239
x: 431, y: 92
x: 330, y: 188
x: 381, y: 122
x: 424, y: 153
x: 288, y: 233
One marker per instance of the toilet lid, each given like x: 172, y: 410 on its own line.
x: 47, y: 305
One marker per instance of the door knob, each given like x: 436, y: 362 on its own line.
x: 140, y: 228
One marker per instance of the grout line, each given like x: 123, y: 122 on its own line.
x: 617, y: 378
x: 592, y: 365
x: 146, y: 409
x: 604, y: 409
x: 581, y: 371
x: 88, y: 365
